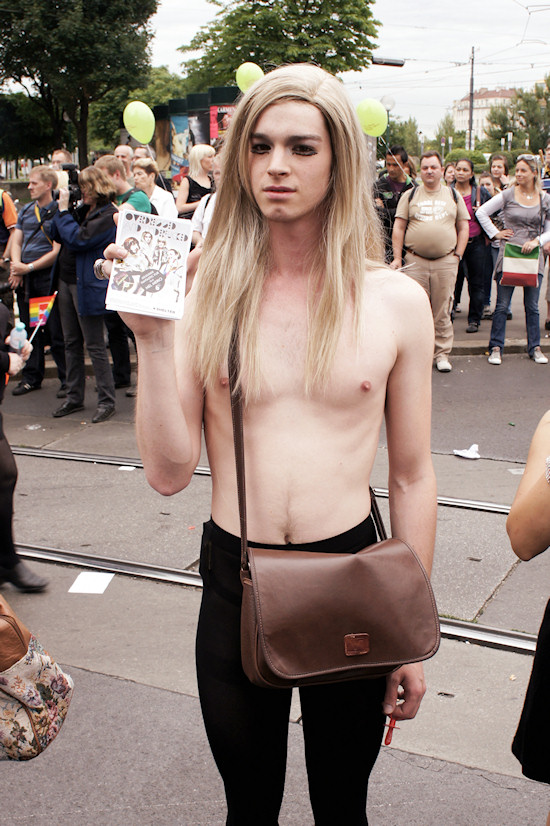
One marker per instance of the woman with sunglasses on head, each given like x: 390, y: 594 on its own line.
x: 525, y: 212
x: 472, y: 264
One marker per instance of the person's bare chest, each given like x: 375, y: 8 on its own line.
x: 358, y: 364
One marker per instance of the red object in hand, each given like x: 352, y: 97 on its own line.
x: 389, y: 734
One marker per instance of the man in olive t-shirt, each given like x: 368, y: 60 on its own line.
x: 431, y: 227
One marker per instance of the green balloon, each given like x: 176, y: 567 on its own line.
x: 139, y: 121
x: 247, y: 74
x: 372, y: 117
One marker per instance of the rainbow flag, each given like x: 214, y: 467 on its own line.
x: 40, y: 309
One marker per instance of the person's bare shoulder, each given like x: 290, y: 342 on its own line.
x: 397, y: 290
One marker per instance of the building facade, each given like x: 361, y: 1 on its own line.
x: 484, y: 99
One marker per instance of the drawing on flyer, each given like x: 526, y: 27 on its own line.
x: 151, y: 279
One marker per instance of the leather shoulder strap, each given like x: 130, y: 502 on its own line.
x: 238, y: 440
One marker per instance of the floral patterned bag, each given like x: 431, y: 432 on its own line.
x: 34, y: 692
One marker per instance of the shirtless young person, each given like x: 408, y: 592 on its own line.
x: 330, y: 343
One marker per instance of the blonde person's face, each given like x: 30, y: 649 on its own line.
x: 142, y: 179
x: 37, y: 187
x: 207, y: 163
x: 290, y: 159
x: 524, y: 173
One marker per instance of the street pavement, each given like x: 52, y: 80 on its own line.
x: 133, y: 749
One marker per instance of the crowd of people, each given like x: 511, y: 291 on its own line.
x: 50, y: 246
x: 450, y: 228
x: 332, y: 343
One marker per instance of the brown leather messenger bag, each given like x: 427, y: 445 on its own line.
x: 309, y: 618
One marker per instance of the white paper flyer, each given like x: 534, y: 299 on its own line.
x: 151, y: 279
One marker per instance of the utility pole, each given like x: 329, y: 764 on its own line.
x: 471, y: 118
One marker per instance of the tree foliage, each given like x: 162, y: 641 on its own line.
x: 446, y: 129
x: 336, y: 34
x: 401, y: 133
x: 25, y: 130
x: 527, y: 116
x: 105, y: 115
x: 68, y: 53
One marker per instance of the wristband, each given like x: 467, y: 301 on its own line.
x: 31, y: 267
x: 547, y: 473
x: 457, y: 255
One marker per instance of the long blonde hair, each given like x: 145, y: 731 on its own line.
x: 236, y: 255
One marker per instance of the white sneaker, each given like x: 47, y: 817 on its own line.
x: 495, y: 357
x: 444, y: 365
x: 539, y: 357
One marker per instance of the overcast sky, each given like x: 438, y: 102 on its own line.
x: 435, y: 37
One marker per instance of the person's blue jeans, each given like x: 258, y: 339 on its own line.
x: 531, y: 304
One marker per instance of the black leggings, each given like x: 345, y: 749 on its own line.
x: 247, y: 726
x: 8, y: 478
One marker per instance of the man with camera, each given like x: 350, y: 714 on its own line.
x: 32, y: 256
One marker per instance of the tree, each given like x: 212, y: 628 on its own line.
x: 25, y: 131
x: 336, y: 34
x: 68, y: 53
x: 402, y: 133
x: 527, y: 116
x: 500, y: 124
x: 446, y: 129
x: 105, y: 114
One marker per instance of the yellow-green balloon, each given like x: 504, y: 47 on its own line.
x: 247, y: 74
x: 372, y: 117
x: 139, y: 121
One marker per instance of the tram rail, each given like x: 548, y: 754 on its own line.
x: 467, y: 632
x: 203, y: 470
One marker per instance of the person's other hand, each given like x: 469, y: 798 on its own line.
x: 405, y: 689
x: 64, y: 198
x: 16, y: 364
x: 529, y: 246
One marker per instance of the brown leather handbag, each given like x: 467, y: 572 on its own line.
x: 309, y: 618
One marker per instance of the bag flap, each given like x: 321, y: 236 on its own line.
x: 14, y: 637
x: 319, y: 612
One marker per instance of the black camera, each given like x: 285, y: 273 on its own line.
x: 75, y: 195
